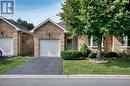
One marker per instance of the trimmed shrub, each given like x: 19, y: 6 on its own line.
x: 128, y: 55
x: 111, y: 55
x: 85, y: 50
x: 123, y: 55
x: 71, y: 55
x: 92, y: 55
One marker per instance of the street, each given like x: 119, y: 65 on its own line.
x: 65, y: 81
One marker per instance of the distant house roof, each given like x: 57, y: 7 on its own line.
x: 62, y: 24
x: 14, y: 24
x: 17, y: 25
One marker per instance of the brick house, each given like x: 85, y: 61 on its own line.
x: 48, y: 39
x: 51, y: 38
x: 14, y: 39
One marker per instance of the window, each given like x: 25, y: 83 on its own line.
x: 125, y: 41
x: 128, y: 41
x: 92, y: 41
x: 70, y: 44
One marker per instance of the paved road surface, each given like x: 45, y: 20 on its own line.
x: 93, y: 81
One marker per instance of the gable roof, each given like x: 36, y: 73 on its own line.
x: 17, y: 25
x: 48, y: 20
x: 11, y: 22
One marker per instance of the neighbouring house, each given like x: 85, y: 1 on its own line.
x: 14, y: 39
x: 48, y: 39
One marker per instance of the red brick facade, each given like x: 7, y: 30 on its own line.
x: 9, y: 31
x: 118, y: 46
x: 48, y: 31
x: 27, y: 42
x: 111, y: 44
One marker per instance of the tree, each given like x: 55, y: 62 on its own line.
x: 25, y: 24
x: 97, y: 18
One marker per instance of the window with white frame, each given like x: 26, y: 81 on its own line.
x: 125, y: 41
x: 92, y: 41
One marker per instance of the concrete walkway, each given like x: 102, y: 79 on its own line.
x: 49, y: 66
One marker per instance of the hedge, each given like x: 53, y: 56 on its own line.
x: 71, y: 55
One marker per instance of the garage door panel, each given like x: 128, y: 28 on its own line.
x: 6, y: 46
x: 49, y: 48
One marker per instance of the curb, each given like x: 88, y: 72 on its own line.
x: 67, y: 76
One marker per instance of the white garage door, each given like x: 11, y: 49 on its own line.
x: 49, y: 48
x: 6, y: 46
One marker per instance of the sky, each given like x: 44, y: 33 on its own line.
x: 36, y: 11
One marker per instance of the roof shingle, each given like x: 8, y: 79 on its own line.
x: 62, y: 24
x: 17, y: 25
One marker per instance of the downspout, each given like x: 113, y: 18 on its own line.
x: 19, y: 42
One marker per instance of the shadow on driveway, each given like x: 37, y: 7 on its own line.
x: 46, y: 66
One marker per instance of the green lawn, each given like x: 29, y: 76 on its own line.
x: 7, y: 64
x: 115, y: 66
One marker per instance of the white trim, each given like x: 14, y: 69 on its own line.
x: 125, y: 46
x: 113, y: 44
x: 46, y: 22
x: 91, y: 43
x: 10, y: 23
x: 126, y: 43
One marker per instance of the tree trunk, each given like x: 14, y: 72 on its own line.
x: 99, y: 46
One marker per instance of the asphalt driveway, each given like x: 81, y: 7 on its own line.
x: 47, y: 66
